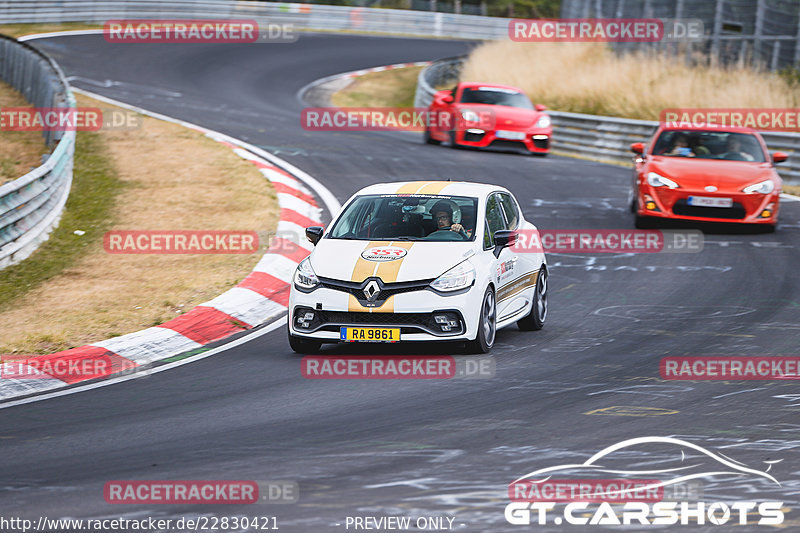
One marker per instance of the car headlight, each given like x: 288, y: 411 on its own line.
x: 657, y: 180
x: 543, y: 122
x: 460, y: 276
x: 764, y: 187
x: 304, y: 276
x: 470, y: 116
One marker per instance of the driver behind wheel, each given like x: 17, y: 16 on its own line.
x: 442, y: 212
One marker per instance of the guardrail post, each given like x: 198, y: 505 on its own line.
x: 758, y: 33
x: 717, y: 29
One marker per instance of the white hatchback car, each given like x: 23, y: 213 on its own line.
x: 418, y: 261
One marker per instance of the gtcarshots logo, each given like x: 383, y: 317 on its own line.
x: 662, y: 496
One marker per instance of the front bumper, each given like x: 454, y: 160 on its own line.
x: 413, y: 312
x: 536, y: 140
x: 673, y: 204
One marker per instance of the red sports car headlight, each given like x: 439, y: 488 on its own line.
x: 657, y: 180
x: 763, y: 187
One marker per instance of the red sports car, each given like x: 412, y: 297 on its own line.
x: 484, y: 114
x: 706, y: 174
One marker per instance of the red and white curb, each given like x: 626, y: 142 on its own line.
x: 260, y: 297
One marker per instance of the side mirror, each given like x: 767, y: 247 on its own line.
x: 637, y: 148
x: 314, y: 234
x: 779, y: 157
x: 502, y: 239
x: 448, y: 99
x: 540, y: 107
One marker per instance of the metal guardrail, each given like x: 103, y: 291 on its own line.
x: 598, y: 137
x: 31, y: 206
x: 302, y: 16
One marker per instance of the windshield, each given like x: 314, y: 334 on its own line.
x: 410, y: 217
x: 495, y: 96
x: 709, y: 145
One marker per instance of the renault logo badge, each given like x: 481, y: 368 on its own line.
x: 371, y: 290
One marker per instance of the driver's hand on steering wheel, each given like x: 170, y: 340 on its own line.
x: 457, y: 227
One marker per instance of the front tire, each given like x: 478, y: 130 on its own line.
x: 535, y: 319
x: 487, y: 325
x: 302, y: 345
x: 453, y: 143
x: 643, y: 222
x: 426, y: 136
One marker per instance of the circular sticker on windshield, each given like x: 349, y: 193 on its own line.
x: 383, y: 253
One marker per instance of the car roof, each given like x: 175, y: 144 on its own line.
x: 454, y: 188
x: 474, y: 84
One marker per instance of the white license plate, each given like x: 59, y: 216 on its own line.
x: 706, y: 201
x: 510, y: 135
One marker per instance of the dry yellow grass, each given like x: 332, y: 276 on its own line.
x: 174, y: 178
x: 20, y: 151
x: 388, y: 88
x: 18, y: 30
x: 590, y: 78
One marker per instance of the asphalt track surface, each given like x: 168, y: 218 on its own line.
x: 420, y: 447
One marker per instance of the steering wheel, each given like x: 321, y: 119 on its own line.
x: 734, y: 156
x: 449, y: 233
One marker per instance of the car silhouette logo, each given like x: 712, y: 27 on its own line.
x: 372, y: 290
x: 683, y: 468
x: 711, y: 188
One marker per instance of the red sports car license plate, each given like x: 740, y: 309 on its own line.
x: 706, y: 201
x: 510, y: 135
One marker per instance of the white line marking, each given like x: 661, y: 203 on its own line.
x: 738, y: 392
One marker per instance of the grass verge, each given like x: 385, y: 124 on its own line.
x: 18, y: 30
x: 388, y: 88
x: 20, y: 151
x: 160, y: 176
x: 89, y: 207
x: 591, y: 78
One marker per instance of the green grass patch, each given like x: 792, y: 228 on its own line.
x: 95, y: 185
